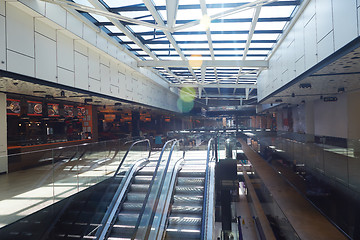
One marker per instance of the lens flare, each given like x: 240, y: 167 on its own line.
x: 187, y: 94
x: 205, y: 22
x: 195, y: 61
x: 184, y: 107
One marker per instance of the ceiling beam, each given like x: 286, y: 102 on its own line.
x: 226, y: 13
x: 150, y: 6
x: 104, y: 13
x: 206, y: 63
x: 194, y: 85
x: 171, y: 12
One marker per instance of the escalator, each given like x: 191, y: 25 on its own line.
x: 128, y: 215
x: 184, y: 221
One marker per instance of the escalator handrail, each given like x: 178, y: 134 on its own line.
x: 113, y: 208
x: 160, y: 228
x: 175, y: 141
x: 130, y: 148
x: 209, y: 158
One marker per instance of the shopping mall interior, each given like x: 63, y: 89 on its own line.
x: 179, y: 119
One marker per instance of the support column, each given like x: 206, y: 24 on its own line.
x: 3, y: 135
x: 135, y: 122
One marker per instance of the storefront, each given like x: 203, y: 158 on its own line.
x: 36, y: 124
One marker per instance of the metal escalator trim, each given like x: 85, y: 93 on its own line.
x: 151, y: 209
x: 207, y: 225
x: 127, y: 152
x: 111, y: 213
x: 164, y: 206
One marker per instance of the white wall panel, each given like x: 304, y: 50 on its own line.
x: 114, y: 78
x: 128, y: 84
x: 89, y: 35
x: 45, y: 58
x: 104, y: 60
x: 45, y: 29
x: 66, y: 77
x: 105, y: 78
x: 300, y: 66
x: 310, y: 44
x: 19, y: 26
x: 80, y: 47
x: 2, y: 44
x: 65, y: 51
x: 101, y: 43
x: 81, y: 71
x: 94, y: 85
x: 326, y: 46
x: 74, y: 25
x: 299, y: 38
x: 324, y: 18
x: 358, y: 3
x: 2, y: 7
x: 358, y: 20
x: 94, y: 65
x: 309, y: 12
x: 56, y: 14
x: 291, y: 63
x: 114, y: 90
x: 345, y: 22
x: 20, y: 63
x: 38, y: 6
x: 112, y: 50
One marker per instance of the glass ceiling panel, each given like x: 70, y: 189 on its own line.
x: 122, y: 3
x: 227, y: 43
x: 278, y: 11
x: 230, y: 26
x: 222, y: 37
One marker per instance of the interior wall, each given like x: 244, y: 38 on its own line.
x: 323, y: 28
x: 331, y: 118
x: 45, y: 41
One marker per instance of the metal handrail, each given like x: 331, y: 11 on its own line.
x: 132, y: 145
x: 206, y: 188
x: 110, y: 213
x: 160, y: 227
x: 175, y: 141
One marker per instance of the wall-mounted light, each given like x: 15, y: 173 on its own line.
x: 305, y: 85
x: 278, y: 100
x: 293, y: 95
x: 330, y: 99
x: 341, y: 89
x: 62, y: 94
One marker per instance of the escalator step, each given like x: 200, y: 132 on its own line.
x: 190, y: 181
x: 122, y: 231
x: 142, y: 179
x: 139, y: 188
x: 192, y: 190
x: 136, y: 196
x: 188, y: 200
x: 182, y: 234
x: 184, y: 219
x: 131, y: 206
x: 186, y: 209
x: 191, y: 174
x: 127, y: 218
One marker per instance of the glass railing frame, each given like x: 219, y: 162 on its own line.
x: 147, y: 231
x: 120, y: 193
x: 206, y: 225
